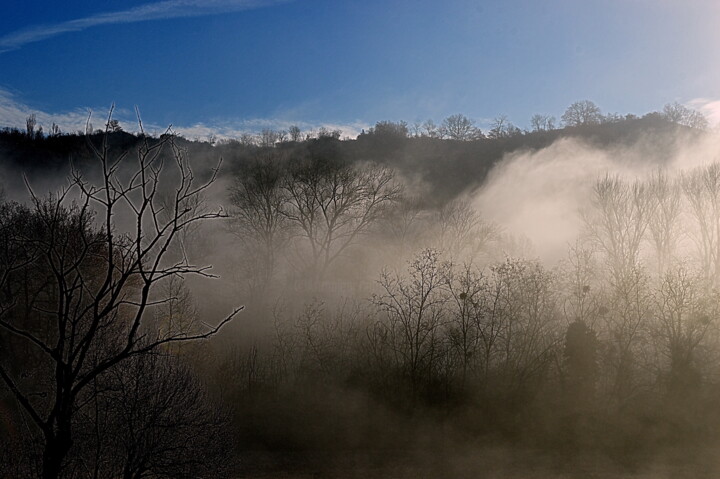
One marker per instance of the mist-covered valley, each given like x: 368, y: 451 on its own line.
x: 408, y: 303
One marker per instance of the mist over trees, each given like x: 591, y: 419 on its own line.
x: 389, y: 325
x: 87, y: 290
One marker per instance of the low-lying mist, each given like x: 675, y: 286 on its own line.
x: 540, y: 194
x: 558, y: 316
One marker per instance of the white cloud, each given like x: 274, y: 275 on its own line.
x: 154, y: 11
x: 235, y: 128
x: 13, y: 114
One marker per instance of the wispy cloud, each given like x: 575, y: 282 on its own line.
x: 153, y: 11
x: 14, y: 112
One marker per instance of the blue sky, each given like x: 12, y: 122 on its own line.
x: 231, y: 65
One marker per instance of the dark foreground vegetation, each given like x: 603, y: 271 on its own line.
x: 388, y: 330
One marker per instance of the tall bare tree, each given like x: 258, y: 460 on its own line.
x: 702, y: 190
x: 685, y: 314
x: 617, y: 220
x: 258, y: 198
x: 101, y: 284
x: 332, y: 204
x: 664, y: 218
x: 414, y: 317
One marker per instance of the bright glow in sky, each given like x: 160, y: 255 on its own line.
x: 229, y: 63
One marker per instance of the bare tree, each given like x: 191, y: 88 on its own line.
x: 462, y: 233
x: 30, y: 124
x: 664, y: 218
x: 295, y: 133
x: 682, y: 115
x: 413, y: 317
x: 582, y: 113
x: 472, y: 329
x: 617, y: 221
x: 403, y: 225
x: 268, y: 138
x: 702, y: 190
x: 501, y: 127
x: 542, y: 122
x: 249, y: 140
x: 150, y: 417
x: 258, y: 198
x: 416, y: 129
x: 332, y: 204
x: 102, y: 283
x: 324, y: 132
x: 685, y: 314
x: 582, y: 286
x: 525, y: 304
x: 459, y: 127
x: 625, y: 331
x: 430, y: 129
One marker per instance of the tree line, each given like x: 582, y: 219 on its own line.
x: 457, y: 127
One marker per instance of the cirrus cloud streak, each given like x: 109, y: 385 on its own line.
x: 153, y: 11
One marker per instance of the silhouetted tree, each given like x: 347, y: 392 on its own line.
x: 682, y: 115
x: 471, y: 329
x: 151, y: 418
x: 295, y: 133
x: 258, y: 197
x: 526, y: 299
x: 430, y: 129
x: 582, y: 113
x: 459, y: 127
x: 502, y: 128
x: 389, y: 129
x: 326, y: 133
x: 269, y: 137
x: 102, y: 284
x: 30, y: 124
x: 414, y: 315
x: 113, y: 126
x: 685, y: 312
x: 625, y: 333
x: 542, y: 122
x: 332, y: 204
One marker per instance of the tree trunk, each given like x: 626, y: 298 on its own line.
x: 56, y: 448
